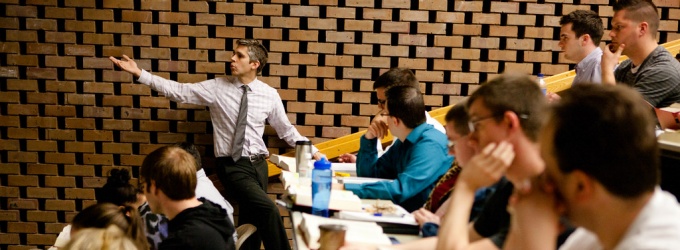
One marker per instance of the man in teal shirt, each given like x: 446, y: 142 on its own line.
x: 413, y: 164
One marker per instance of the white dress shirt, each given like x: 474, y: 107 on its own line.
x: 657, y: 226
x: 223, y: 97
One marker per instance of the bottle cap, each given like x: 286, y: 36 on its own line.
x: 540, y: 74
x: 322, y: 164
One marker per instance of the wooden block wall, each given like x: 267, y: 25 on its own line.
x: 67, y: 116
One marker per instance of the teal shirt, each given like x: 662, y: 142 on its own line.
x: 414, y: 165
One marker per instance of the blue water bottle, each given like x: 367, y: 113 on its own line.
x: 322, y: 177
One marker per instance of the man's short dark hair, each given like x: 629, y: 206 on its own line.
x: 191, y: 149
x: 256, y: 51
x: 396, y: 77
x: 585, y: 22
x: 608, y: 133
x: 406, y: 103
x: 640, y: 11
x: 458, y: 115
x: 517, y: 93
x: 173, y: 170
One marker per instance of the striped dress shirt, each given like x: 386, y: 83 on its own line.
x: 223, y: 97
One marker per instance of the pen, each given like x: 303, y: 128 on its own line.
x: 389, y: 215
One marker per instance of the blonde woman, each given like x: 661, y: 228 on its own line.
x: 110, y: 238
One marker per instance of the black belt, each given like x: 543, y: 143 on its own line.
x: 251, y: 158
x: 254, y: 158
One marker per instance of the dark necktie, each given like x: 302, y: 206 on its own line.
x: 240, y: 130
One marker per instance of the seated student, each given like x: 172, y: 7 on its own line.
x: 650, y: 68
x: 103, y: 215
x: 505, y: 117
x: 109, y: 238
x: 118, y: 191
x: 602, y: 172
x: 413, y: 163
x: 580, y: 35
x: 157, y: 225
x: 168, y: 179
x: 457, y: 130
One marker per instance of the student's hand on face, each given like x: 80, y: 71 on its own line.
x: 127, y: 64
x: 378, y: 128
x: 611, y: 58
x: 347, y: 158
x: 423, y: 216
x: 487, y: 167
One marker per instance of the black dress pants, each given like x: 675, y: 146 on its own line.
x: 247, y: 182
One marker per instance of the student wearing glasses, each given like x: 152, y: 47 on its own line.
x: 458, y: 132
x: 414, y: 162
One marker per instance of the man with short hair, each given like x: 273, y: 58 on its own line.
x: 414, y: 162
x: 392, y: 77
x: 240, y: 105
x: 580, y: 34
x: 505, y: 117
x: 157, y: 225
x: 168, y: 179
x: 650, y: 69
x: 613, y: 194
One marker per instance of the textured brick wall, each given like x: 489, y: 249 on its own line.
x: 67, y: 117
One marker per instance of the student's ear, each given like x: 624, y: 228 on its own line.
x: 152, y: 187
x: 584, y: 185
x: 585, y: 40
x: 644, y: 28
x: 512, y: 120
x: 395, y: 120
x: 254, y: 65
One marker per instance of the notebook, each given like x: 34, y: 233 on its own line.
x: 669, y: 117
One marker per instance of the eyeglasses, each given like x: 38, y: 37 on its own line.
x: 382, y: 102
x: 473, y: 125
x: 384, y: 114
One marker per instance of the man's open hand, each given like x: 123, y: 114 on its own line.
x: 128, y: 65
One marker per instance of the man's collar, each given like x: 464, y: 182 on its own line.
x: 595, y: 53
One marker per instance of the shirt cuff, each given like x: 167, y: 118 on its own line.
x: 354, y: 187
x: 145, y: 77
